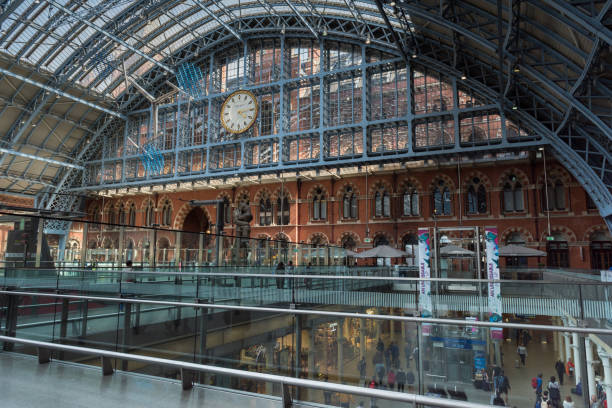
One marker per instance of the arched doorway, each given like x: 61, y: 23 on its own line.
x: 601, y: 250
x: 410, y: 244
x: 379, y: 240
x: 163, y: 249
x: 195, y: 223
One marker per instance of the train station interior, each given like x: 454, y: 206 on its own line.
x: 306, y: 203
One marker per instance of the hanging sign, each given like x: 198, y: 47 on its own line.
x: 494, y: 288
x: 425, y: 305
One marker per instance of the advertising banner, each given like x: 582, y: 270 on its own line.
x: 425, y: 305
x: 494, y: 289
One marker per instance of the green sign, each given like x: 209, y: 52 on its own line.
x: 550, y: 238
x: 367, y: 240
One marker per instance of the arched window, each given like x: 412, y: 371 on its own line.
x: 111, y: 215
x: 265, y: 211
x: 516, y: 238
x: 476, y: 197
x: 121, y: 214
x: 410, y: 244
x: 442, y: 199
x: 382, y: 203
x: 553, y: 196
x: 410, y: 202
x: 96, y: 217
x: 227, y: 211
x: 349, y: 204
x: 149, y: 214
x: 513, y: 195
x: 348, y: 242
x: 601, y: 250
x: 557, y: 252
x: 282, y: 210
x: 132, y: 215
x: 319, y: 205
x: 166, y: 213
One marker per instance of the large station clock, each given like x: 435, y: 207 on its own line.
x: 239, y: 111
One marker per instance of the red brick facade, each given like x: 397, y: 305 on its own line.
x: 575, y: 223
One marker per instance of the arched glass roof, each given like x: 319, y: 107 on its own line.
x: 544, y: 61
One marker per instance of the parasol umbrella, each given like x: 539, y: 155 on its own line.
x: 519, y: 250
x: 351, y: 253
x: 382, y: 251
x: 452, y: 251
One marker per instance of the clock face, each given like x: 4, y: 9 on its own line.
x: 239, y: 111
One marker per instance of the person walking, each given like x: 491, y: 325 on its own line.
x: 308, y: 281
x: 560, y: 369
x: 401, y: 379
x: 594, y: 402
x: 502, y: 385
x: 280, y: 270
x: 391, y: 379
x: 538, y: 388
x: 410, y: 379
x: 394, y: 354
x: 554, y: 392
x: 361, y: 366
x: 545, y: 402
x: 522, y: 352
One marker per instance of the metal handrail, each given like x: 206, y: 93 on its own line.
x: 328, y: 277
x: 283, y: 380
x: 418, y: 320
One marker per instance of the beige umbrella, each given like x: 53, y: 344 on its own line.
x: 519, y: 250
x: 351, y: 253
x: 382, y: 251
x: 454, y: 251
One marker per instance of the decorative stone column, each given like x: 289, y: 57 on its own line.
x: 567, y: 347
x: 340, y: 342
x: 607, y: 367
x: 362, y: 338
x: 577, y: 360
x: 590, y: 374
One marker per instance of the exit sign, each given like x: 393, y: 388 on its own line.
x: 367, y: 240
x: 550, y: 238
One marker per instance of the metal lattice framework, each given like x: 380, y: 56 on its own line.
x: 540, y: 63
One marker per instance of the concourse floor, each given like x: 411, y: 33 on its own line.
x: 24, y: 383
x: 540, y: 359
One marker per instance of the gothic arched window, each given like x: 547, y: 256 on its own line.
x: 513, y: 195
x: 132, y: 215
x: 282, y: 210
x: 476, y: 197
x: 166, y: 213
x: 149, y: 214
x: 442, y: 199
x: 382, y: 203
x: 319, y: 205
x: 265, y: 211
x: 553, y: 195
x: 410, y: 201
x: 121, y: 214
x: 349, y: 204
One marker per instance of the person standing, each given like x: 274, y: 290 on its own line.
x: 594, y: 402
x: 308, y: 281
x: 560, y: 369
x: 391, y: 379
x: 568, y: 403
x: 401, y: 379
x: 522, y: 352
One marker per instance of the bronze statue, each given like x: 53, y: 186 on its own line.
x: 242, y: 219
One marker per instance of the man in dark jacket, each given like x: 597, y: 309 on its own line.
x: 560, y: 369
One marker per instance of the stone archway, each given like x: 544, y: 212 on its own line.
x: 196, y: 221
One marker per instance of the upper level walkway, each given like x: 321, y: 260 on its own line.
x: 27, y: 384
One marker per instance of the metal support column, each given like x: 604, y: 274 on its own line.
x: 64, y: 324
x: 10, y: 326
x: 127, y: 319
